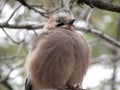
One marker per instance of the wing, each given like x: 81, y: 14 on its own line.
x: 50, y: 63
x: 81, y: 54
x: 28, y: 85
x: 54, y: 57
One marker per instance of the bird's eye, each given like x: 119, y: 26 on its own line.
x: 58, y: 21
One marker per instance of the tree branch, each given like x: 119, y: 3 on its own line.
x: 11, y: 38
x: 5, y: 78
x: 101, y: 4
x: 100, y: 34
x: 97, y: 33
x: 23, y: 26
x: 13, y: 13
x: 7, y: 85
x: 24, y: 3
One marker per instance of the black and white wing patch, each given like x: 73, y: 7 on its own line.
x: 28, y: 85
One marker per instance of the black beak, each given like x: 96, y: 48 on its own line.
x: 69, y: 22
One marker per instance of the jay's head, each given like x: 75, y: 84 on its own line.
x: 63, y: 18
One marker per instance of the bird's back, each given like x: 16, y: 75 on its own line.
x: 58, y: 58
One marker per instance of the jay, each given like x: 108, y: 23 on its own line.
x: 59, y: 56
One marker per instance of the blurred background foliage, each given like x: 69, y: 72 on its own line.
x: 13, y: 54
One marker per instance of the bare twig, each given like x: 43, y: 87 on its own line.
x: 89, y: 16
x: 3, y: 6
x: 20, y: 48
x: 88, y: 30
x: 10, y: 37
x: 69, y: 4
x: 24, y: 3
x: 100, y: 35
x: 37, y: 6
x: 13, y: 13
x: 118, y: 29
x: 28, y: 26
x: 7, y: 76
x: 101, y: 4
x: 41, y: 13
x: 113, y: 79
x: 7, y: 85
x: 35, y: 32
x: 62, y: 5
x: 10, y: 57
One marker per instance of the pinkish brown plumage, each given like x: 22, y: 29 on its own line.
x: 59, y: 56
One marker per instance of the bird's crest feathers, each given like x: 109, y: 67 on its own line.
x: 59, y: 19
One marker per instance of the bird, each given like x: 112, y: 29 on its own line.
x: 59, y: 56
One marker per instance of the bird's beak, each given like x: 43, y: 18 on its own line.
x: 69, y: 22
